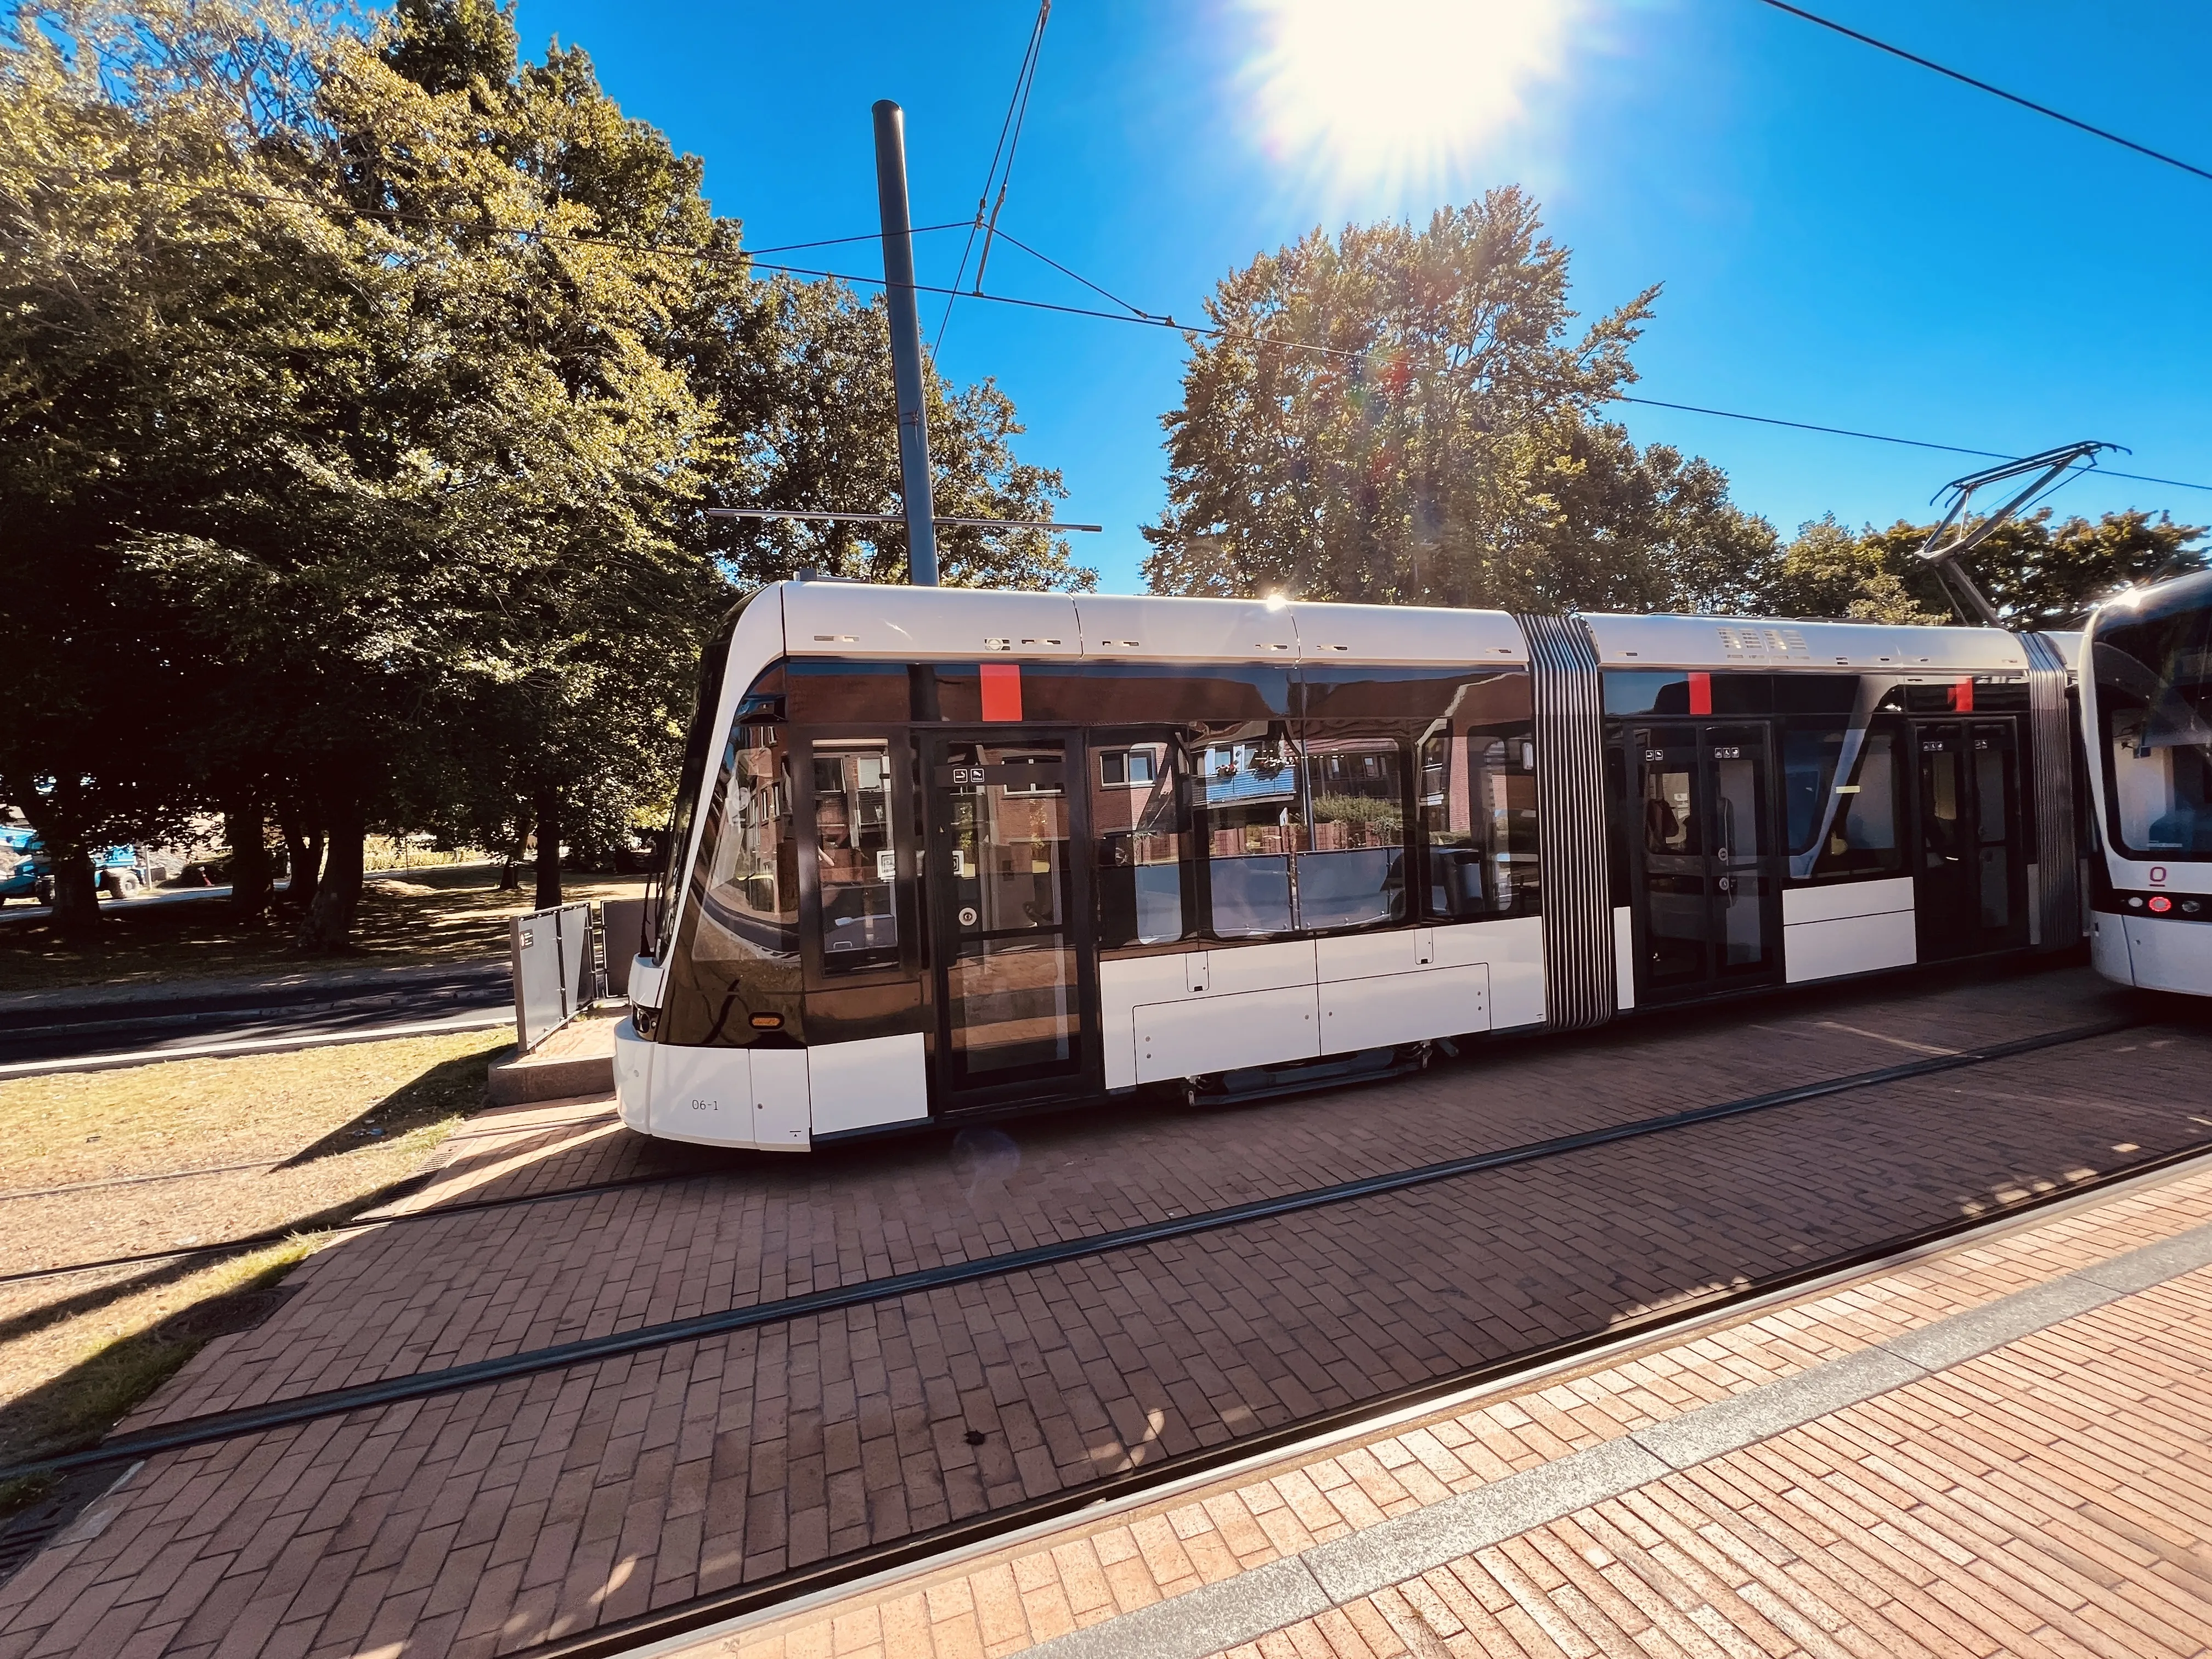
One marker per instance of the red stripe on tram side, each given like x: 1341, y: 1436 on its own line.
x: 1962, y: 697
x: 1701, y: 694
x: 1002, y: 690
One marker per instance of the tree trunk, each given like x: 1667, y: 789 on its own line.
x: 245, y: 828
x: 65, y: 851
x: 303, y: 852
x: 510, y: 875
x: 76, y: 896
x: 328, y: 924
x: 548, y: 847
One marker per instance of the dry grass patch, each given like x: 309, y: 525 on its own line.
x: 320, y: 1133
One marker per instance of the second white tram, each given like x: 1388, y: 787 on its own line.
x: 940, y: 851
x: 2146, y: 722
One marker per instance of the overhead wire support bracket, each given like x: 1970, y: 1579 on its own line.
x: 2051, y: 464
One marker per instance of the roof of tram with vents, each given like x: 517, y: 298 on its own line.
x: 863, y: 621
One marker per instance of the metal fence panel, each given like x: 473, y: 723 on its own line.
x: 622, y: 924
x: 551, y: 954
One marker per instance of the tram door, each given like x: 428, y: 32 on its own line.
x: 1707, y: 867
x: 1972, y: 889
x: 1010, y: 900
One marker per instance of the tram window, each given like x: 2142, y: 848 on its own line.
x: 1126, y: 769
x: 1841, y: 827
x: 1352, y: 873
x: 1255, y: 824
x: 1139, y: 817
x: 2155, y: 704
x: 1477, y: 796
x: 856, y: 858
x: 751, y: 883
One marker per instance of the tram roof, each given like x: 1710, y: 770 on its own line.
x: 863, y: 621
x: 1711, y: 642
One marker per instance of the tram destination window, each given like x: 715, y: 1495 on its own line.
x: 1840, y: 795
x: 2154, y: 710
x: 856, y: 857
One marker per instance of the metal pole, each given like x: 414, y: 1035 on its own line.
x: 906, y: 344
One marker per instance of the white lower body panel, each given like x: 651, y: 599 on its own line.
x: 1222, y: 1033
x: 868, y: 1085
x: 2168, y: 956
x: 1410, y: 1007
x: 1185, y: 1013
x: 634, y: 1078
x: 704, y: 1094
x: 1848, y: 927
x: 2108, y: 947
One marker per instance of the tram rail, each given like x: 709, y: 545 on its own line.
x: 697, y: 1614
x: 215, y: 1427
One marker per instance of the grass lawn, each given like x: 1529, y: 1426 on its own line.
x: 299, y: 1142
x: 450, y: 914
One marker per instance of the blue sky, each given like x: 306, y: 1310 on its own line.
x: 1843, y: 239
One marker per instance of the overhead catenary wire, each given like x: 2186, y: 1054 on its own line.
x: 1017, y: 108
x: 1013, y: 144
x: 1886, y: 438
x: 1979, y: 85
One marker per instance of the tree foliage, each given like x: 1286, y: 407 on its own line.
x: 2040, y: 571
x: 359, y: 388
x: 1406, y: 417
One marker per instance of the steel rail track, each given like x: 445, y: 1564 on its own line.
x: 697, y: 1612
x: 215, y: 1426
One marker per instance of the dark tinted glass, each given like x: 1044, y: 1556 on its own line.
x: 847, y: 693
x: 1355, y: 691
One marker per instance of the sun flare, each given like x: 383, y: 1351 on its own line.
x: 1394, y: 89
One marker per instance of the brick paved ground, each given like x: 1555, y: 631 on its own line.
x: 484, y: 1522
x: 2053, y: 1496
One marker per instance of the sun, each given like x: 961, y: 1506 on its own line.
x: 1395, y: 89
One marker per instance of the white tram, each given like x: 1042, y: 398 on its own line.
x: 2147, y: 719
x: 941, y: 851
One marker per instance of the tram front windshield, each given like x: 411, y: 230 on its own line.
x: 2154, y: 706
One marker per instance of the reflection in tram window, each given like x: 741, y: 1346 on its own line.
x: 1139, y: 818
x: 1942, y: 799
x: 1255, y: 822
x: 751, y: 884
x: 1353, y: 873
x: 1992, y: 804
x: 1841, y: 826
x: 1012, y: 979
x: 2155, y: 703
x: 1477, y: 793
x: 856, y: 860
x: 1670, y: 812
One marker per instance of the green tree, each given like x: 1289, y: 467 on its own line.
x: 2038, y: 571
x: 1405, y: 417
x: 823, y: 441
x: 358, y: 390
x: 1827, y: 571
